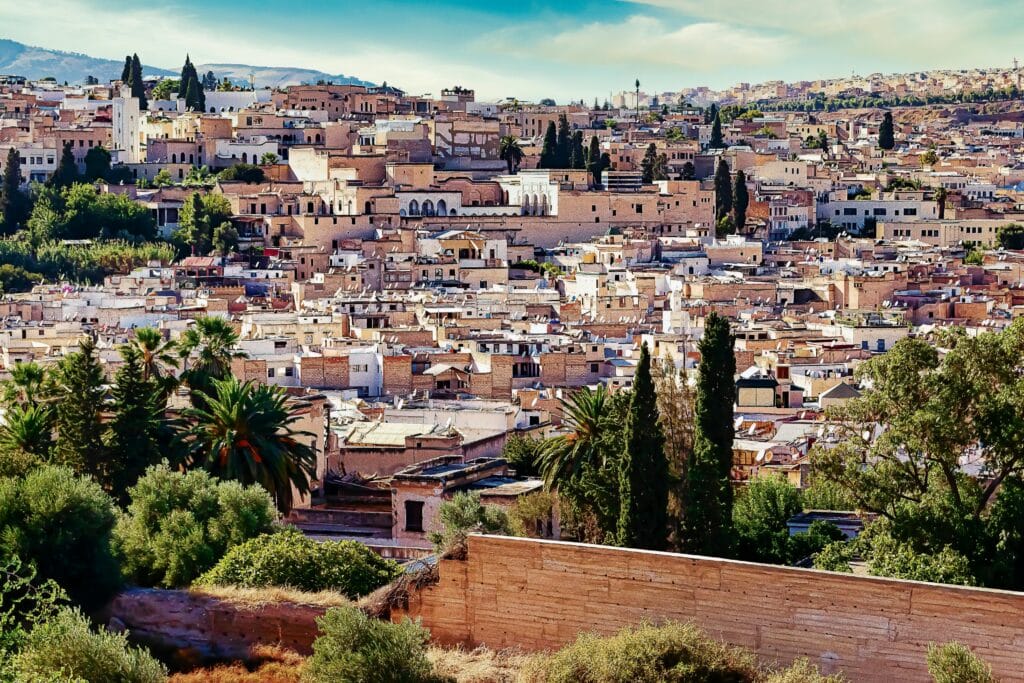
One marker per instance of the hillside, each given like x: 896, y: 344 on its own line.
x: 38, y: 62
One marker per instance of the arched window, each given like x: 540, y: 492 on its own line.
x: 245, y: 157
x: 536, y: 206
x: 414, y: 208
x: 174, y: 158
x: 442, y: 208
x: 526, y: 205
x: 191, y: 158
x: 428, y: 208
x: 309, y: 207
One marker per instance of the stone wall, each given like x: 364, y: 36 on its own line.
x: 540, y: 594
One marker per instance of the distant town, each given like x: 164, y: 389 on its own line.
x: 449, y: 358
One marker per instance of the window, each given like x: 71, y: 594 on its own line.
x: 270, y: 372
x: 414, y: 515
x: 360, y: 368
x: 594, y: 367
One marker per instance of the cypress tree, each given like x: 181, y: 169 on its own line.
x: 723, y: 190
x: 648, y: 163
x: 14, y: 204
x: 132, y: 440
x: 563, y: 143
x: 740, y: 201
x: 191, y: 95
x: 689, y: 171
x: 548, y: 153
x: 126, y: 72
x: 710, y: 113
x: 886, y: 133
x: 717, y: 142
x: 578, y: 158
x: 79, y: 429
x: 594, y: 159
x: 643, y: 470
x: 138, y: 87
x: 67, y: 170
x: 708, y: 516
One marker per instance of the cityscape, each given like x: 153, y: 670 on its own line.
x: 344, y: 372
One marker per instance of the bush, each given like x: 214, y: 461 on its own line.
x: 290, y: 559
x: 818, y: 535
x: 61, y: 523
x: 835, y: 557
x: 521, y: 452
x: 24, y: 602
x: 462, y: 515
x: 646, y: 654
x: 803, y: 671
x: 759, y: 517
x: 955, y: 663
x: 353, y: 648
x: 179, y: 525
x: 65, y: 647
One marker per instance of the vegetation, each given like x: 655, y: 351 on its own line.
x: 1011, y: 236
x: 886, y: 135
x: 292, y: 560
x: 178, y: 525
x: 462, y: 515
x: 354, y: 648
x: 200, y: 217
x: 14, y: 203
x: 717, y: 141
x: 65, y: 647
x: 740, y: 201
x: 78, y: 211
x: 191, y: 87
x: 654, y: 165
x: 24, y: 602
x: 510, y: 152
x: 521, y: 453
x: 723, y: 190
x: 708, y: 515
x: 243, y: 173
x: 956, y: 663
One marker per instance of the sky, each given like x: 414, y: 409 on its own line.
x: 562, y: 49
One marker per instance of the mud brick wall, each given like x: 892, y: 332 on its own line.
x: 539, y: 595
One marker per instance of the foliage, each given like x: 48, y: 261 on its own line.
x: 290, y: 559
x: 462, y: 515
x: 191, y: 88
x: 163, y: 89
x: 26, y: 437
x: 97, y: 163
x: 887, y: 556
x: 886, y: 135
x: 14, y: 203
x: 521, y: 453
x: 178, y: 525
x: 244, y: 432
x: 717, y: 141
x: 24, y: 602
x: 510, y: 152
x: 955, y: 663
x: 759, y: 519
x: 935, y: 412
x: 1011, y: 236
x: 819, y: 535
x: 675, y: 415
x: 723, y: 190
x: 974, y: 258
x: 643, y: 468
x: 548, y: 152
x: 531, y: 515
x: 269, y: 159
x: 740, y: 200
x: 354, y: 648
x: 133, y: 440
x: 79, y: 211
x: 66, y: 173
x: 823, y: 494
x: 79, y: 443
x: 62, y: 524
x: 929, y: 158
x: 708, y: 516
x: 645, y: 654
x: 835, y: 557
x: 66, y: 647
x: 243, y: 173
x: 200, y: 216
x: 802, y: 671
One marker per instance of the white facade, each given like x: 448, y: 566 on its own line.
x: 125, y: 132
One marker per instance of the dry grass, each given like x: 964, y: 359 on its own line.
x: 396, y: 594
x: 477, y: 666
x: 269, y: 664
x: 261, y: 597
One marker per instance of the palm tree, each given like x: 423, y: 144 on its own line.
x: 206, y: 350
x: 510, y: 152
x: 245, y: 433
x: 27, y: 431
x: 940, y: 200
x: 563, y: 457
x: 26, y: 385
x: 156, y: 354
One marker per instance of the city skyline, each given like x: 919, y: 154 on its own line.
x: 583, y: 49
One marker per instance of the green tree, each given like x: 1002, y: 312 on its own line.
x: 79, y: 428
x: 26, y: 386
x: 244, y: 173
x: 648, y: 163
x: 577, y: 156
x: 956, y: 663
x: 66, y: 174
x: 26, y: 437
x: 245, y: 433
x: 594, y: 159
x: 163, y: 89
x: 929, y: 158
x: 133, y: 439
x: 521, y: 453
x: 583, y: 412
x: 708, y: 517
x: 207, y: 350
x: 740, y: 201
x: 723, y: 190
x: 225, y: 239
x: 126, y: 71
x: 14, y: 203
x: 717, y: 141
x: 163, y: 178
x: 157, y: 355
x: 269, y: 159
x: 759, y: 518
x: 643, y: 468
x: 886, y: 133
x: 940, y: 202
x: 563, y: 143
x: 689, y: 171
x: 97, y: 163
x: 200, y: 215
x: 462, y: 515
x: 510, y: 152
x: 675, y: 415
x: 137, y: 85
x: 61, y: 523
x: 549, y: 151
x: 179, y: 524
x: 24, y: 602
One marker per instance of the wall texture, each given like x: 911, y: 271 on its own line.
x: 541, y: 594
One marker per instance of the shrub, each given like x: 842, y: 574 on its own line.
x: 835, y: 557
x: 65, y: 647
x: 61, y: 523
x: 462, y: 515
x: 818, y: 535
x: 531, y: 515
x: 646, y: 654
x: 292, y: 560
x: 521, y: 452
x: 803, y: 671
x: 24, y: 602
x: 759, y: 517
x: 955, y: 663
x: 353, y: 648
x: 178, y: 525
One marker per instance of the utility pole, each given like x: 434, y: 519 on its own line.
x: 638, y: 100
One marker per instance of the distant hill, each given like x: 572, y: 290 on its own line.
x: 38, y: 62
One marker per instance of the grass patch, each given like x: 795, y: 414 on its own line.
x: 477, y: 666
x: 256, y: 598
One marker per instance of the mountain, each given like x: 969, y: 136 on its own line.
x: 38, y: 62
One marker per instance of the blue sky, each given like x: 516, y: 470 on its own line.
x: 567, y: 49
